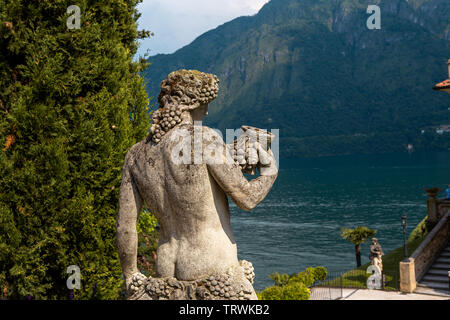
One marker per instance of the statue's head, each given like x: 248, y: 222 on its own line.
x: 189, y: 88
x: 183, y: 91
x: 374, y: 241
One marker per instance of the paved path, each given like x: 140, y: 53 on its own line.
x: 364, y: 294
x: 325, y: 293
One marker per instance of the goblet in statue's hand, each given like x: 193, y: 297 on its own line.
x: 267, y: 164
x: 247, y: 145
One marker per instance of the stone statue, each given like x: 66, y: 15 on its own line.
x: 376, y: 254
x: 184, y: 174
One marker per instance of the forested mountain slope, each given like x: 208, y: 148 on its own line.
x: 314, y: 70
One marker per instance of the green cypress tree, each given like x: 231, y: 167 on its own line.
x: 72, y: 102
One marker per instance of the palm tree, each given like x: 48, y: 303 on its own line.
x: 357, y: 236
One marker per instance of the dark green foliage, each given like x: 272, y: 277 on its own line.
x: 309, y: 276
x: 280, y: 279
x: 271, y: 293
x: 320, y: 273
x: 148, y: 243
x: 421, y: 230
x: 291, y: 291
x: 71, y: 105
x: 312, y: 69
x: 293, y: 287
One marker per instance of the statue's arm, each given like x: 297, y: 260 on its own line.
x: 246, y: 194
x: 130, y: 205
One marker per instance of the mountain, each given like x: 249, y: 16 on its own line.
x: 314, y: 70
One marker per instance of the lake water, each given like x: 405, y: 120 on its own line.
x: 298, y: 224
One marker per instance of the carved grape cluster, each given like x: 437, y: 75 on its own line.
x: 228, y: 286
x: 249, y: 271
x: 164, y: 120
x: 158, y: 288
x: 209, y: 92
x: 220, y: 285
x: 137, y: 282
x: 245, y: 154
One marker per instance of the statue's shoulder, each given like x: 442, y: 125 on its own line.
x: 208, y: 134
x: 211, y: 135
x: 134, y: 151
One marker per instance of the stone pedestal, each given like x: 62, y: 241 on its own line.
x: 407, y: 276
x: 234, y: 284
x: 432, y: 211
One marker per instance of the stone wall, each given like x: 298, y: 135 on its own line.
x: 429, y: 249
x: 412, y: 271
x: 437, y: 208
x: 443, y: 208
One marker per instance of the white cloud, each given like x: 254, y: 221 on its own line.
x: 177, y: 23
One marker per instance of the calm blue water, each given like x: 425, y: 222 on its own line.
x: 298, y: 224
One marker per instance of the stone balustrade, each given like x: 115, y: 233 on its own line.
x: 423, y: 257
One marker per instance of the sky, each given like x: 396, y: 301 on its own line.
x: 177, y: 23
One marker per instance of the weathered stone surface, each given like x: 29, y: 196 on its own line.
x: 184, y: 174
x: 407, y: 276
x: 235, y: 283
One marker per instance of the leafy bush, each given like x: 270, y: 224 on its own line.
x: 296, y: 291
x: 320, y: 273
x: 306, y: 277
x: 421, y: 231
x: 280, y: 279
x: 293, y: 291
x: 271, y: 293
x: 293, y: 287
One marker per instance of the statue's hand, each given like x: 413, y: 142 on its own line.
x: 267, y: 164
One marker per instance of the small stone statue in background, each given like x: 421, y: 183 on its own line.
x: 184, y: 174
x: 376, y: 253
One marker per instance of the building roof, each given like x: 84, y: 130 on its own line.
x: 444, y: 85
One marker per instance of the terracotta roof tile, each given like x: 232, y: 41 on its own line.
x: 442, y: 85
